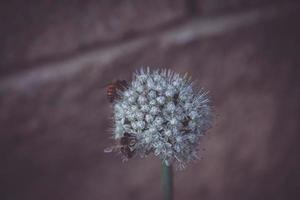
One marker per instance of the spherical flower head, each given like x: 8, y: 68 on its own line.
x: 164, y: 114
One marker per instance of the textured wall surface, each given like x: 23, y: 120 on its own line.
x: 55, y: 117
x: 45, y: 30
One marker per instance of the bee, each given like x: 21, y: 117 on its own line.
x: 112, y: 89
x: 125, y: 145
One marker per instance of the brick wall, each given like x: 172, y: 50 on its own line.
x: 55, y: 119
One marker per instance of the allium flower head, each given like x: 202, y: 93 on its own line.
x: 164, y: 114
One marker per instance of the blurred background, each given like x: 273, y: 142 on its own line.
x: 55, y: 119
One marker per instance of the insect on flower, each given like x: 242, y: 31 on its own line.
x: 125, y: 145
x: 112, y: 89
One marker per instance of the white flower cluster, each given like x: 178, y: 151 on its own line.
x: 165, y: 115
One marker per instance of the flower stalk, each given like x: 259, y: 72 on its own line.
x: 167, y: 181
x: 159, y: 112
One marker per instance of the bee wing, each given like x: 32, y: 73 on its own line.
x: 108, y: 149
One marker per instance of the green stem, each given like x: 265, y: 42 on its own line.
x: 167, y: 182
